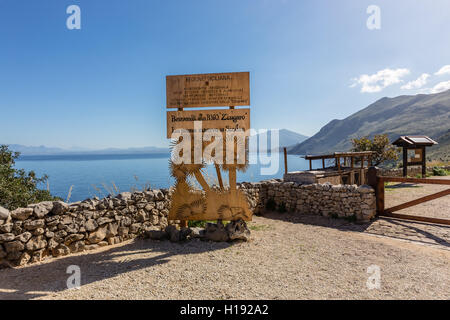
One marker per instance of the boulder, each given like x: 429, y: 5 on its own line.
x: 77, y: 246
x: 124, y: 196
x: 4, y: 213
x: 36, y: 243
x: 216, y: 232
x: 42, y: 209
x: 104, y: 220
x: 61, y: 250
x: 97, y: 236
x: 197, y: 232
x: 73, y: 238
x: 238, y: 230
x: 6, y: 237
x: 112, y: 230
x: 6, y: 228
x: 34, y: 224
x: 22, y: 213
x: 38, y: 255
x: 91, y: 225
x: 14, y: 246
x: 59, y: 207
x: 23, y: 260
x: 24, y: 237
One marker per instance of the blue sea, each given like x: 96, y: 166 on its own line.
x: 100, y: 175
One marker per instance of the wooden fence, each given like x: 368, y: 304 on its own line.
x: 377, y: 182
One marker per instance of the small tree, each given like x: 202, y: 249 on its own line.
x: 384, y: 151
x: 17, y: 187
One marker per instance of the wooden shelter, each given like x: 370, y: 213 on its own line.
x: 347, y: 168
x: 417, y: 144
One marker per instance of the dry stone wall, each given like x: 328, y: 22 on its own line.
x: 56, y: 228
x: 46, y: 229
x: 343, y: 201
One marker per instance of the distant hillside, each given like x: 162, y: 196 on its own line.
x: 442, y: 150
x: 43, y: 150
x: 403, y: 115
x: 287, y: 138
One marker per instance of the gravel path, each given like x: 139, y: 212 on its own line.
x: 289, y: 257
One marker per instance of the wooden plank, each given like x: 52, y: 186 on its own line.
x: 220, y: 119
x: 418, y: 201
x: 339, y: 154
x: 212, y: 205
x: 417, y: 180
x: 219, y: 176
x: 208, y: 90
x: 285, y: 161
x: 416, y: 218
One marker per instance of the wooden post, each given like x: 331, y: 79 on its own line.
x: 405, y: 162
x: 310, y: 164
x: 323, y: 163
x: 352, y: 159
x: 183, y: 224
x: 379, y: 193
x: 232, y: 178
x: 424, y: 163
x: 219, y: 175
x: 285, y: 161
x: 372, y: 177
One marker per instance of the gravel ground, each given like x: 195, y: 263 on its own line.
x: 403, y: 192
x: 289, y: 257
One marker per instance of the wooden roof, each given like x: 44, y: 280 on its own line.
x: 340, y: 155
x: 414, y: 141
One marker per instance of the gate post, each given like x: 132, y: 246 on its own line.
x: 378, y: 184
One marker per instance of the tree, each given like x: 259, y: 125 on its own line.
x: 17, y: 187
x: 384, y: 150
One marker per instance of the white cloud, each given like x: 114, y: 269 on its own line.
x: 416, y: 84
x: 440, y: 87
x: 443, y: 70
x: 380, y: 80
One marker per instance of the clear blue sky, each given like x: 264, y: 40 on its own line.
x: 104, y: 85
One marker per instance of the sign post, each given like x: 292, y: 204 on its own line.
x: 199, y: 91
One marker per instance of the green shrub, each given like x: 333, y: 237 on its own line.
x: 17, y: 187
x: 439, y: 171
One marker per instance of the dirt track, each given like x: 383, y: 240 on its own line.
x: 290, y: 257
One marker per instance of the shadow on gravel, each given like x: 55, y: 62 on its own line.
x: 414, y: 231
x: 328, y: 222
x: 41, y: 279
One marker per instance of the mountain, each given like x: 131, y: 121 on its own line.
x: 442, y: 150
x: 287, y: 138
x: 43, y: 150
x: 420, y: 114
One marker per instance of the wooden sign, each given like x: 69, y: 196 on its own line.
x: 208, y: 90
x: 221, y: 119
